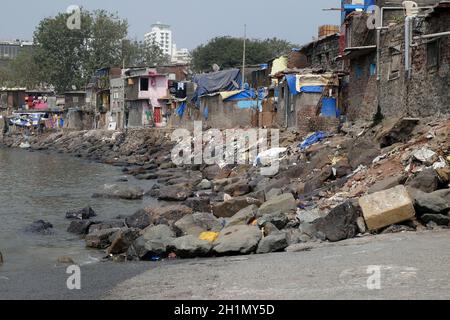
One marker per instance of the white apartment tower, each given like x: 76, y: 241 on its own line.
x: 161, y: 35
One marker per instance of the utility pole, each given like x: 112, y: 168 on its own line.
x: 244, y: 55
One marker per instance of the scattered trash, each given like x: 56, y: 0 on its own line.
x: 155, y: 258
x: 424, y: 155
x: 209, y: 236
x: 441, y: 164
x: 312, y: 139
x: 378, y: 159
x: 269, y: 156
x: 25, y: 145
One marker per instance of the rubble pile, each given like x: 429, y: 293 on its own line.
x: 330, y: 187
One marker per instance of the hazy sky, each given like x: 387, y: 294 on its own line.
x: 193, y: 21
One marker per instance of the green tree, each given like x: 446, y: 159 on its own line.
x: 227, y: 52
x: 24, y: 70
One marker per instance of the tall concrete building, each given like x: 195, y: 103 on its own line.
x: 9, y: 50
x: 161, y: 35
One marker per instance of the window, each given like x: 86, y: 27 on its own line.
x: 373, y: 69
x: 433, y: 54
x: 75, y: 99
x: 144, y: 84
x: 394, y: 68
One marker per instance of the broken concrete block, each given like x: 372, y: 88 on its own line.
x: 387, y: 207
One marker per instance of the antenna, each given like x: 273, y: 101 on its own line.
x: 244, y: 55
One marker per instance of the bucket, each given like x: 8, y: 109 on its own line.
x: 329, y: 107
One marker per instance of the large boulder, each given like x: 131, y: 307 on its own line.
x: 168, y: 215
x: 119, y: 191
x: 123, y: 240
x: 284, y: 203
x: 339, y: 224
x: 244, y: 216
x: 143, y: 249
x: 199, y: 204
x: 278, y: 219
x: 436, y: 202
x: 439, y: 219
x: 229, y: 208
x: 178, y: 192
x: 238, y: 189
x: 427, y: 181
x: 80, y: 227
x: 110, y: 224
x: 318, y: 180
x: 273, y: 243
x: 159, y: 232
x: 238, y: 240
x: 139, y: 220
x: 40, y: 227
x: 189, y: 247
x: 100, y: 239
x: 83, y: 214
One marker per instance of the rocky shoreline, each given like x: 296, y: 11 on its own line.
x: 233, y: 210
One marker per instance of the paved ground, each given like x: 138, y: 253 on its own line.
x: 411, y: 266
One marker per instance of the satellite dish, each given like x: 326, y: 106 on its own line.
x: 216, y: 67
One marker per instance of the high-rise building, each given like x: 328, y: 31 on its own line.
x: 161, y: 35
x: 9, y: 50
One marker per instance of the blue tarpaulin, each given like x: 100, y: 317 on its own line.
x: 206, y: 113
x: 312, y: 139
x: 246, y: 94
x: 292, y: 83
x: 181, y: 109
x: 312, y: 89
x: 227, y: 80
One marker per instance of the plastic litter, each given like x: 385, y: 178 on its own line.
x: 312, y: 139
x: 424, y: 155
x: 267, y: 157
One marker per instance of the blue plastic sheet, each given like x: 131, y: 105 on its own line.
x: 312, y: 139
x: 312, y: 89
x: 292, y: 83
x: 206, y: 113
x: 246, y: 94
x: 181, y: 109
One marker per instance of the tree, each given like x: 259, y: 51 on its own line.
x: 24, y: 70
x: 140, y: 54
x: 227, y: 52
x: 67, y: 58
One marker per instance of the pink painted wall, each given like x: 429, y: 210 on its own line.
x: 158, y: 86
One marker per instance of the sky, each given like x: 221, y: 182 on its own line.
x: 193, y: 21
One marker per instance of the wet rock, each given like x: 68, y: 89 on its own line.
x: 274, y: 243
x: 189, y: 247
x: 80, y: 227
x: 238, y: 189
x: 388, y: 183
x: 238, y: 240
x: 279, y: 220
x: 426, y: 181
x: 339, y: 224
x: 111, y: 224
x: 40, y: 227
x: 284, y: 203
x: 115, y: 191
x: 83, y: 214
x: 199, y: 204
x: 204, y: 185
x: 229, y: 208
x: 244, y: 216
x: 318, y: 180
x: 139, y: 220
x: 273, y: 193
x: 123, y: 240
x: 168, y: 215
x: 178, y: 192
x: 439, y: 219
x: 100, y: 239
x: 436, y: 202
x: 143, y: 249
x: 362, y: 152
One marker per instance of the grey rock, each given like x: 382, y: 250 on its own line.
x: 80, y: 227
x: 100, y: 239
x: 273, y: 193
x: 244, y: 216
x: 435, y: 202
x: 190, y: 247
x: 199, y: 204
x: 238, y: 240
x: 140, y: 220
x: 123, y: 240
x: 204, y: 185
x: 229, y: 208
x: 439, y: 219
x: 273, y: 243
x: 177, y: 192
x: 111, y: 224
x: 40, y: 227
x: 116, y: 191
x: 169, y: 214
x: 426, y: 181
x: 279, y: 220
x: 238, y: 189
x: 83, y: 214
x: 159, y: 232
x: 387, y: 183
x: 339, y: 224
x: 284, y: 203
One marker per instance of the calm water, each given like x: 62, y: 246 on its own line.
x: 37, y: 186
